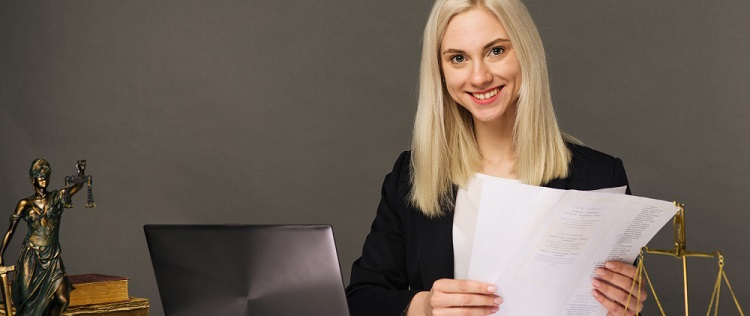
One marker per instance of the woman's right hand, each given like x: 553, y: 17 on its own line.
x: 456, y: 297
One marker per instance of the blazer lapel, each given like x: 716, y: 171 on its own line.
x: 436, y: 246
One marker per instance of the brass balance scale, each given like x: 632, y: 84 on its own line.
x: 680, y: 252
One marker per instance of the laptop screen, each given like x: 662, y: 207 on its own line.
x: 247, y: 269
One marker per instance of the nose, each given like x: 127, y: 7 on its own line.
x: 482, y: 75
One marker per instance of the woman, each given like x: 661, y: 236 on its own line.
x: 484, y: 111
x: 40, y: 285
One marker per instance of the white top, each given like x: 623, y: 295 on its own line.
x: 464, y: 222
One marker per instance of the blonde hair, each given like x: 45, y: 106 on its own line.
x: 444, y: 150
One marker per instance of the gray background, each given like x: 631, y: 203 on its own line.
x: 293, y: 111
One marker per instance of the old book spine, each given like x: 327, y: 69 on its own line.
x: 97, y: 289
x: 132, y: 307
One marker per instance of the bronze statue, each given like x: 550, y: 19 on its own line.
x: 40, y: 285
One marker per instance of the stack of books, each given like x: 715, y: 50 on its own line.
x: 98, y: 294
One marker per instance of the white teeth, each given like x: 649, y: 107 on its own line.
x: 482, y: 96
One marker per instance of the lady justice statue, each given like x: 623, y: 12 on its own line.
x: 40, y: 285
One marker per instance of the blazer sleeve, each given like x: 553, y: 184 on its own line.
x: 379, y: 282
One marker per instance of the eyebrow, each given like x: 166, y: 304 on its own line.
x: 490, y: 44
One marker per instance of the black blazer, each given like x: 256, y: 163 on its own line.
x: 406, y: 252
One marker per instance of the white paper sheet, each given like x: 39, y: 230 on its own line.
x: 541, y: 246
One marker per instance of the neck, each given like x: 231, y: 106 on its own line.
x: 41, y: 192
x: 495, y: 141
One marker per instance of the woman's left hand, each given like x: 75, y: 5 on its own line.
x: 612, y: 287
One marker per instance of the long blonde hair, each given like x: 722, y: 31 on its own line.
x: 444, y: 150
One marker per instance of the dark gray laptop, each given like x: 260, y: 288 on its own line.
x: 247, y: 269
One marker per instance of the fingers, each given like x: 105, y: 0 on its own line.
x: 612, y: 307
x: 612, y: 288
x: 618, y: 275
x: 465, y: 311
x: 620, y: 281
x: 463, y: 297
x: 616, y: 296
x: 622, y: 268
x: 463, y: 286
x: 442, y: 299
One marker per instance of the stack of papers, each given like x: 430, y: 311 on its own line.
x: 541, y: 246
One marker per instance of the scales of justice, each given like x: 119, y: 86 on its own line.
x: 41, y: 283
x: 682, y: 253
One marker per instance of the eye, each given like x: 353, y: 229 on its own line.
x: 457, y: 59
x: 497, y: 51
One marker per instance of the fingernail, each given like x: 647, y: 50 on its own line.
x: 491, y: 289
x: 494, y: 309
x: 595, y: 293
x: 596, y: 283
x: 498, y: 300
x: 601, y: 272
x: 609, y: 265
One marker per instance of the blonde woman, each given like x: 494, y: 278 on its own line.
x: 484, y: 111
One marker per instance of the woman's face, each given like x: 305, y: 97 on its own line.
x: 480, y: 68
x: 40, y: 181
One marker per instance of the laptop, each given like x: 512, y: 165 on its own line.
x: 247, y: 269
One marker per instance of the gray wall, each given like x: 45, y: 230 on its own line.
x: 293, y: 111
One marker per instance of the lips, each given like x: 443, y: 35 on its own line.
x: 487, y: 94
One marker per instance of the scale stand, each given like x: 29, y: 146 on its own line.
x: 680, y: 252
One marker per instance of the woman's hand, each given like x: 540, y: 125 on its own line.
x: 456, y: 297
x: 612, y: 285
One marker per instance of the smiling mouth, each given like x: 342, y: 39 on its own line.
x: 486, y: 95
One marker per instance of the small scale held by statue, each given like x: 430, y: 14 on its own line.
x: 40, y: 285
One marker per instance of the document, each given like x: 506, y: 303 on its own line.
x: 541, y: 246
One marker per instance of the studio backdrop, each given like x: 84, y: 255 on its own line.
x: 264, y: 112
